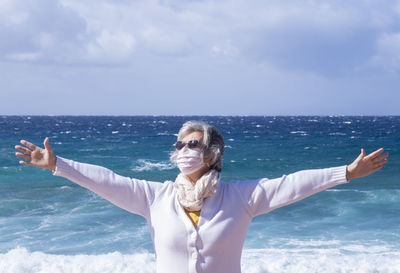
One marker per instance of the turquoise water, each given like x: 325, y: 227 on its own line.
x: 49, y: 224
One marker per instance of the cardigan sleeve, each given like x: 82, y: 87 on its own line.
x: 131, y: 194
x: 264, y: 195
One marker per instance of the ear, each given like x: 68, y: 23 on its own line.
x: 207, y: 159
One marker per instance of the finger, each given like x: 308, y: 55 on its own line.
x: 378, y: 166
x: 381, y: 163
x: 25, y: 156
x: 25, y: 163
x: 377, y: 169
x: 47, y: 144
x: 23, y: 149
x: 374, y: 154
x: 361, y: 155
x: 381, y: 157
x: 28, y: 144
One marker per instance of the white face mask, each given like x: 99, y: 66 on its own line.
x: 190, y: 160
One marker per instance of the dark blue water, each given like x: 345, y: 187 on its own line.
x: 53, y: 218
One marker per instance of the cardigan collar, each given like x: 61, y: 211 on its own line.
x: 210, y: 206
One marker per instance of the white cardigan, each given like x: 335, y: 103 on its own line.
x: 215, y: 246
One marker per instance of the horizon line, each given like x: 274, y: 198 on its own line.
x: 194, y: 115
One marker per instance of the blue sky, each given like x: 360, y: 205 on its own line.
x: 124, y: 57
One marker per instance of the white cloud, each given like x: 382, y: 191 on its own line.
x: 40, y: 31
x: 226, y: 48
x: 10, y: 14
x: 388, y: 51
x: 111, y: 46
x: 23, y: 56
x: 397, y: 7
x: 161, y: 41
x: 324, y: 37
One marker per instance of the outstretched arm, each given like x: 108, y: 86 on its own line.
x: 264, y: 195
x: 133, y: 195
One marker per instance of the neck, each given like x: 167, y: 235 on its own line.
x: 193, y: 177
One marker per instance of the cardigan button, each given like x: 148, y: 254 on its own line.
x: 195, y: 255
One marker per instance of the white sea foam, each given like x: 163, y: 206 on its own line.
x: 20, y: 260
x: 146, y: 165
x: 302, y: 133
x: 318, y: 261
x: 165, y: 133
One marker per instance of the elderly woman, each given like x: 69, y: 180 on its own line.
x: 199, y: 223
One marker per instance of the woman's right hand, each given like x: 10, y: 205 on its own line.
x: 36, y: 156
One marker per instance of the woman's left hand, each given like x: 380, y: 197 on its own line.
x: 364, y: 165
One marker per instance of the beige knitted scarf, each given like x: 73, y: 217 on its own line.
x: 191, y: 196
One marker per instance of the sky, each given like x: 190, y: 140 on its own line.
x: 199, y: 57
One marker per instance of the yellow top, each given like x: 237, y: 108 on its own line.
x: 194, y: 216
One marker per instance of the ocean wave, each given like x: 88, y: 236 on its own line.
x: 146, y: 165
x: 21, y: 260
x: 374, y: 196
x: 302, y: 133
x: 65, y: 188
x: 165, y: 133
x: 318, y: 261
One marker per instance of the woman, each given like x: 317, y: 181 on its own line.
x: 199, y: 223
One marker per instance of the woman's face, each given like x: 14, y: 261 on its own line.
x: 196, y: 175
x: 195, y: 136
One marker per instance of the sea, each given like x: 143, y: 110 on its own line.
x: 49, y: 224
